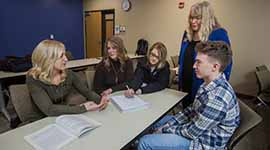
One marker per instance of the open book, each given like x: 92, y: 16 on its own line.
x: 125, y: 104
x: 66, y: 129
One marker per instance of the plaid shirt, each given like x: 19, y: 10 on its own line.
x: 211, y: 120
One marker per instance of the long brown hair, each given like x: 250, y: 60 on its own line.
x: 118, y: 44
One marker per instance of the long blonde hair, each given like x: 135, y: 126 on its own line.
x: 209, y: 21
x: 44, y: 57
x: 118, y: 44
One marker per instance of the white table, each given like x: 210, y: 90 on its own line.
x: 70, y: 64
x: 117, y: 129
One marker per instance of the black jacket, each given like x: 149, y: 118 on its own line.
x: 156, y: 80
x: 105, y: 78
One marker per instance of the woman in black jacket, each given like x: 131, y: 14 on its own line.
x: 114, y: 69
x: 152, y: 74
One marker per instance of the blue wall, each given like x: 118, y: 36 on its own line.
x: 24, y: 23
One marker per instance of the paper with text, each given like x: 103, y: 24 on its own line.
x: 66, y: 129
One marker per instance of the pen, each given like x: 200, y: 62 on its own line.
x: 127, y: 87
x: 130, y: 96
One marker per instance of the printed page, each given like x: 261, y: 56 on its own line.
x: 77, y: 124
x: 51, y: 137
x: 129, y: 104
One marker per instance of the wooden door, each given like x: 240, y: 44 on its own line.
x: 109, y: 28
x: 109, y: 24
x: 93, y: 28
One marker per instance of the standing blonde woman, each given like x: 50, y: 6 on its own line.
x: 53, y: 87
x: 202, y: 26
x: 114, y: 70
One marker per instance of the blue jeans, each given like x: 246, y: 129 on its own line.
x: 163, y: 141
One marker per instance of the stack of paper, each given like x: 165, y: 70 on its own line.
x: 125, y: 104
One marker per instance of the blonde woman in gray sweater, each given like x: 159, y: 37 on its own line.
x: 52, y: 86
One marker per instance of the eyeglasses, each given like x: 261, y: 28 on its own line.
x: 195, y: 17
x: 154, y: 55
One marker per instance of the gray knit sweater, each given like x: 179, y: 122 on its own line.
x: 52, y: 99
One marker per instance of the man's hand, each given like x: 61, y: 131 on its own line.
x: 159, y: 130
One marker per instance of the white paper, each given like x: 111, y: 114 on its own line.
x: 129, y: 104
x: 51, y: 137
x: 77, y: 124
x: 66, y: 129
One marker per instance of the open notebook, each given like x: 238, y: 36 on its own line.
x: 66, y: 129
x: 125, y: 104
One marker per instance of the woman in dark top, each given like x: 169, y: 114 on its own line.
x: 114, y: 70
x: 188, y: 67
x: 152, y: 74
x: 53, y: 88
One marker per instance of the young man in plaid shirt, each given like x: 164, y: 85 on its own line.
x: 213, y: 117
